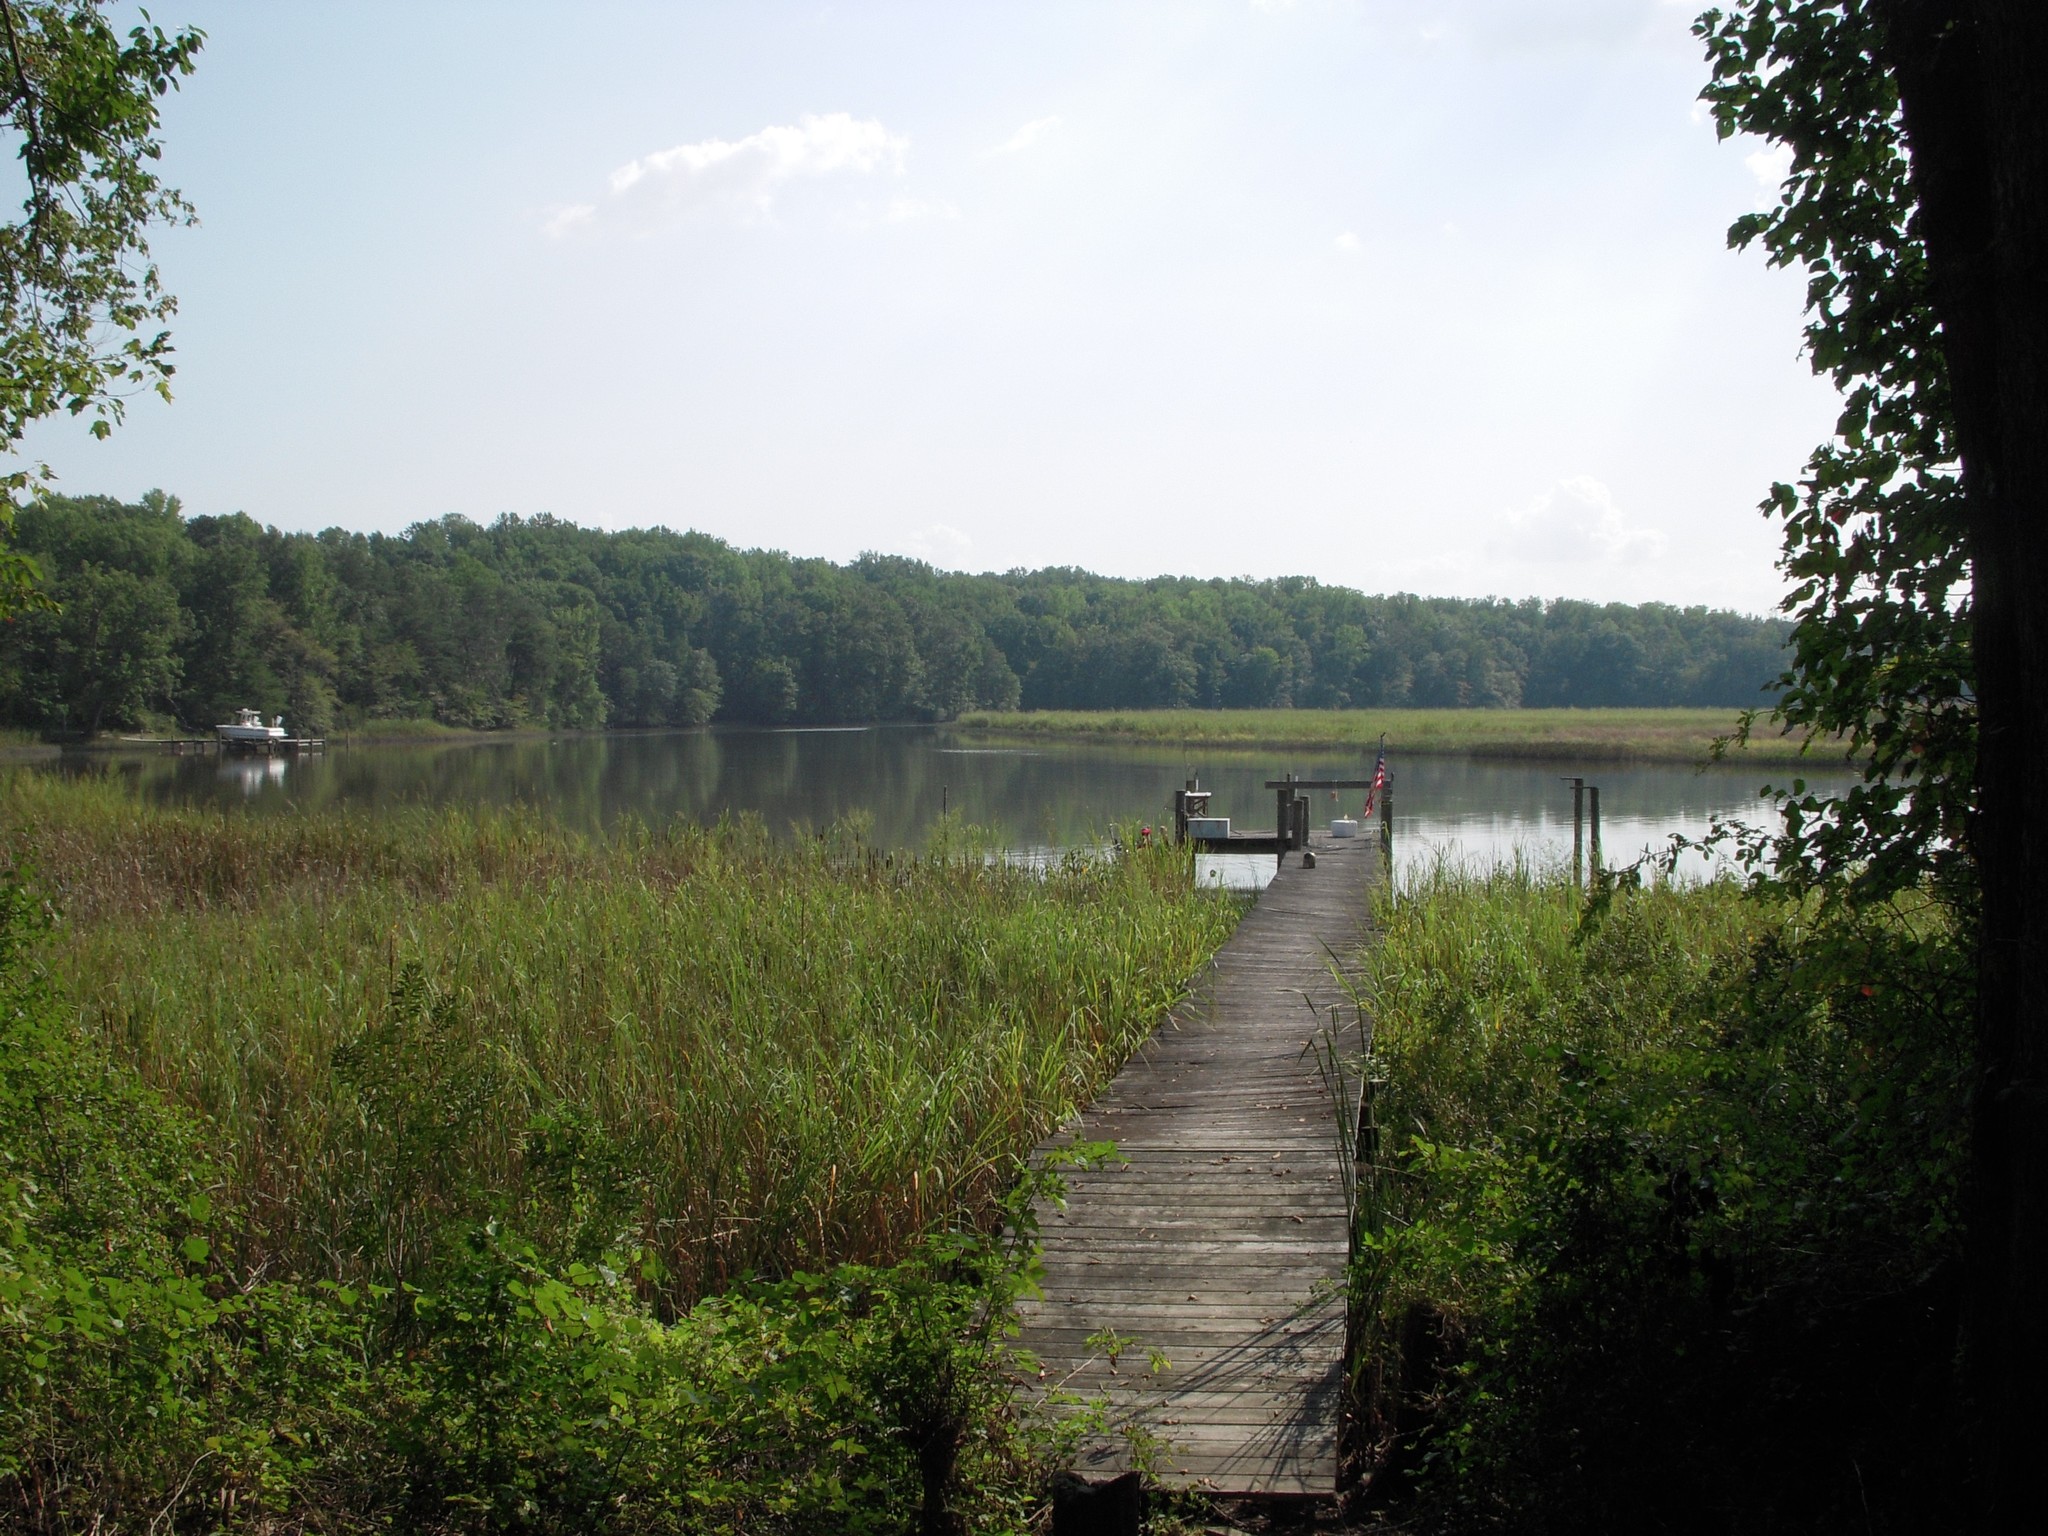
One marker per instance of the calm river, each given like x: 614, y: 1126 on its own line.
x: 1039, y: 796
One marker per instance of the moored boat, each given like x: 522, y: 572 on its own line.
x: 249, y: 727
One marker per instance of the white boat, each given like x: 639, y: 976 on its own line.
x: 249, y: 727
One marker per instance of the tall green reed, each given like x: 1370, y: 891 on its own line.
x: 748, y: 1057
x: 1627, y: 1160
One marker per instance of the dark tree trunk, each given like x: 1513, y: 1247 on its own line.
x: 1973, y: 82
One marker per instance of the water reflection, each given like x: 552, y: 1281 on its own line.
x: 1035, y: 797
x: 251, y: 775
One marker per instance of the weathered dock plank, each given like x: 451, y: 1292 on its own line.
x: 1220, y: 1238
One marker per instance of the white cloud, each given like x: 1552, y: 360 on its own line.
x: 909, y: 210
x: 1575, y: 522
x: 1026, y: 136
x: 1349, y: 243
x: 567, y: 217
x: 1272, y: 6
x: 744, y: 174
x: 940, y: 544
x: 1770, y: 167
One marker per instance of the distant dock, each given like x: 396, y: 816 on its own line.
x: 189, y: 746
x: 1193, y: 824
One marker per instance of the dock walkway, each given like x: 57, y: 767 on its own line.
x: 1221, y: 1239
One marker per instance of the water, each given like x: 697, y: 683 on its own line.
x: 1036, y: 797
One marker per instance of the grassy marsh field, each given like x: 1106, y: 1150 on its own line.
x: 779, y: 1056
x: 1621, y: 735
x: 452, y: 1172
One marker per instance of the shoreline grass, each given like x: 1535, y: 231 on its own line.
x: 760, y: 1057
x: 1620, y: 735
x: 1634, y: 1160
x: 28, y: 746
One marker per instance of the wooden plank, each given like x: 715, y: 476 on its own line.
x: 1156, y: 1319
x: 1209, y: 1357
x: 1220, y: 1236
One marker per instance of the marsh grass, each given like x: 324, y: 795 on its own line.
x: 1624, y: 735
x: 17, y: 745
x: 750, y: 1058
x: 1655, y: 1185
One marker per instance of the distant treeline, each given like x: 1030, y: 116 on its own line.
x: 537, y: 621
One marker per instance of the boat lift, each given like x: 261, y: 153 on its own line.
x: 1192, y: 822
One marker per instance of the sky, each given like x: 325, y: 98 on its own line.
x: 1407, y: 295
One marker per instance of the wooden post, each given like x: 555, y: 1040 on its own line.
x: 1593, y: 816
x: 1387, y: 825
x: 1188, y: 803
x: 1578, y: 832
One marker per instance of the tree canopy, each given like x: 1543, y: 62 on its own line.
x: 1918, y: 205
x: 1873, y: 533
x: 538, y: 621
x: 78, y: 290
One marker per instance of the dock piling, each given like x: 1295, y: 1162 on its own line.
x: 1593, y: 818
x: 1578, y: 831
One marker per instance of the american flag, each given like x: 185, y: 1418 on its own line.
x: 1379, y: 781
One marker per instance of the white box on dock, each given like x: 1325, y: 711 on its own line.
x: 1209, y: 828
x: 1343, y: 826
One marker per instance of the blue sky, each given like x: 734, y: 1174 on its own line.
x: 1428, y: 296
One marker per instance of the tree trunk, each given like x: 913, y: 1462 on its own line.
x: 1976, y: 119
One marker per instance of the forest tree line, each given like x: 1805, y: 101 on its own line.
x: 163, y: 618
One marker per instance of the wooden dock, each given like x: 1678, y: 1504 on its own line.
x: 188, y: 746
x: 1220, y: 1241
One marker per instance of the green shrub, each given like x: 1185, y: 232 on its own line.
x: 132, y: 1372
x: 149, y: 1381
x: 301, y: 1222
x: 1663, y: 1191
